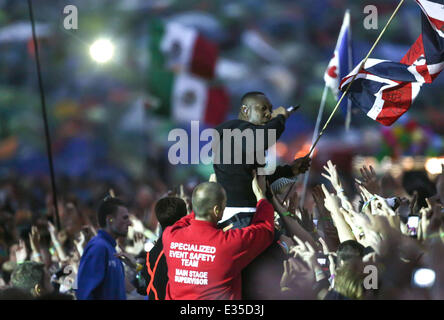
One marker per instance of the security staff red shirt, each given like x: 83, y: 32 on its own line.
x: 205, y: 262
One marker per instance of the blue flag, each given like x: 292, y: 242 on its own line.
x: 341, y: 64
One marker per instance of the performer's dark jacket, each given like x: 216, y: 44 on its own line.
x: 236, y: 178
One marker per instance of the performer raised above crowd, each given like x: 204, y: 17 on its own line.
x: 255, y: 113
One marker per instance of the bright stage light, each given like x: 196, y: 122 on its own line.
x: 433, y: 165
x: 101, y: 50
x: 424, y: 278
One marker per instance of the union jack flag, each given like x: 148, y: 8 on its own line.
x: 385, y: 90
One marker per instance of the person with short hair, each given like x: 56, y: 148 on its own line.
x: 348, y: 251
x: 101, y: 274
x: 168, y: 211
x: 204, y: 262
x: 31, y: 277
x: 348, y: 276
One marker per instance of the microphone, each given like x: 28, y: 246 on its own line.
x: 292, y: 109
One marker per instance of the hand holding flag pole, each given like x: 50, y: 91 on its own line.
x: 339, y: 66
x: 315, y: 141
x: 354, y: 77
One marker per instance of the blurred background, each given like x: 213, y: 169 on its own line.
x: 110, y: 97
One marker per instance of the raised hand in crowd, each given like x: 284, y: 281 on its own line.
x: 431, y: 226
x: 384, y: 209
x: 307, y: 221
x: 138, y: 242
x: 407, y: 208
x: 330, y: 255
x: 369, y: 180
x: 34, y: 241
x: 281, y: 206
x: 80, y: 242
x: 305, y: 252
x: 56, y: 243
x: 297, y: 279
x: 89, y: 232
x: 325, y: 221
x: 21, y: 253
x: 332, y: 204
x: 333, y: 177
x: 286, y: 211
x: 182, y: 194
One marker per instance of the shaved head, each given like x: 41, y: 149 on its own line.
x: 255, y: 108
x: 206, y: 196
x: 250, y: 97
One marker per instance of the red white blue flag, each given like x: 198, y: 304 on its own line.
x: 385, y: 90
x: 341, y: 63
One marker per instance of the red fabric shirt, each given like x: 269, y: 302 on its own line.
x: 206, y: 263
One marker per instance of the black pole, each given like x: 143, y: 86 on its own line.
x: 45, y: 119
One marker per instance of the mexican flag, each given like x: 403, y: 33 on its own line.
x: 180, y: 94
x: 183, y: 49
x: 184, y: 97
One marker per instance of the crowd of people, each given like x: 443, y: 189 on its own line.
x: 240, y: 235
x: 324, y: 250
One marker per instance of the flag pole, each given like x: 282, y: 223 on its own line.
x: 350, y: 67
x: 315, y: 133
x: 354, y: 77
x: 45, y: 119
